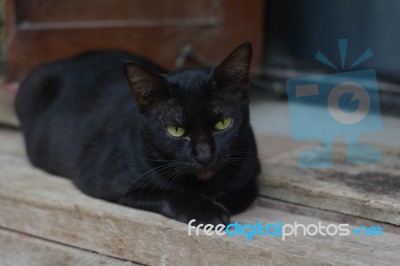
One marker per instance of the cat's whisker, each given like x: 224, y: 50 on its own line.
x: 165, y: 173
x: 237, y: 161
x: 159, y: 160
x: 152, y: 183
x: 242, y: 159
x: 143, y: 176
x: 229, y: 166
x: 243, y: 152
x: 180, y: 173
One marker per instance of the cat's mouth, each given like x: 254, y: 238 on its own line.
x: 205, y: 174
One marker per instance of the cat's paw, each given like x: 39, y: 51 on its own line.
x: 214, y: 214
x: 202, y: 209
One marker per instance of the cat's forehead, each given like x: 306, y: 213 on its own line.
x: 196, y: 109
x: 194, y: 97
x: 190, y: 82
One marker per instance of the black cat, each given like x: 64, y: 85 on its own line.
x: 180, y: 144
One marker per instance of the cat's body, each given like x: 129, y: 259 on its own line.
x: 80, y: 121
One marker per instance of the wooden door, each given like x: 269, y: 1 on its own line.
x: 43, y: 30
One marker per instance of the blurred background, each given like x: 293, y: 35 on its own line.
x: 285, y: 34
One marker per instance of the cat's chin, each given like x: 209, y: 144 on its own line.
x: 205, y: 174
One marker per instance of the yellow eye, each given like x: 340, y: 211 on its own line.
x: 175, y: 131
x: 224, y: 124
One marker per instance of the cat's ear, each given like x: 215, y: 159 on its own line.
x: 233, y: 72
x: 146, y: 86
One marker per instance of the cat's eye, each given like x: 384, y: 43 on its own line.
x: 175, y: 131
x: 223, y: 124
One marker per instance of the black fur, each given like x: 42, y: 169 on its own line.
x: 83, y: 120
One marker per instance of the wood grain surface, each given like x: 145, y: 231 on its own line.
x: 49, y: 207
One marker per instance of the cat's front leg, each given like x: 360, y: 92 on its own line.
x: 237, y: 201
x: 180, y: 206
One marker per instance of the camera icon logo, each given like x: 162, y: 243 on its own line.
x: 343, y: 104
x: 359, y: 96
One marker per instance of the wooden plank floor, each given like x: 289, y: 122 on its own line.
x: 366, y: 190
x: 51, y: 208
x: 21, y: 249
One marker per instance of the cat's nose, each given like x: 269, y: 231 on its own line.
x: 204, y: 159
x: 203, y: 154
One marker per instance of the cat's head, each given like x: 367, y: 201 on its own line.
x: 196, y: 117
